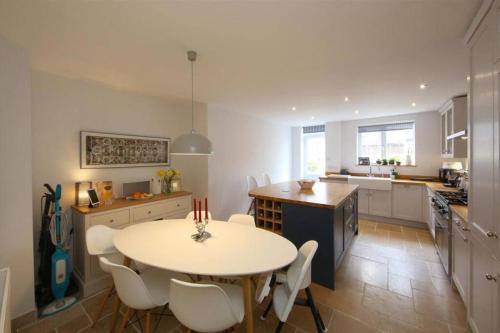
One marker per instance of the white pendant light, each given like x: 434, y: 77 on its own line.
x: 191, y: 143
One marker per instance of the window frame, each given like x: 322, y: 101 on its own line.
x: 384, y: 141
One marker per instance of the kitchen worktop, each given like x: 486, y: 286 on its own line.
x: 324, y: 195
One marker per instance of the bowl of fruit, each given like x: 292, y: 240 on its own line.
x: 140, y: 196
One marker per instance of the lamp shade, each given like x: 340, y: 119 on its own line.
x: 191, y: 144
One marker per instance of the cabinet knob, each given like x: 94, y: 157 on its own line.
x: 465, y: 240
x: 465, y: 229
x: 149, y: 212
x: 178, y: 205
x: 490, y: 277
x: 111, y: 221
x: 492, y: 234
x: 457, y: 222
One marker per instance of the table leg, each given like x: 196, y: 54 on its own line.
x: 116, y: 309
x: 247, y: 293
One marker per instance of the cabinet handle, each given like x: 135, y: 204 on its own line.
x: 490, y: 277
x: 492, y: 234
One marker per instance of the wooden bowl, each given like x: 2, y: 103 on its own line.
x: 306, y: 184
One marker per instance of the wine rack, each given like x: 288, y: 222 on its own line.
x: 268, y: 215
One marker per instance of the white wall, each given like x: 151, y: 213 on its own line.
x: 16, y: 228
x: 427, y: 145
x: 296, y: 152
x: 63, y: 107
x: 243, y: 145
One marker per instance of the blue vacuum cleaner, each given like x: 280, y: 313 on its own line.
x: 61, y: 261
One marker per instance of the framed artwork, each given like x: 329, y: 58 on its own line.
x: 105, y: 150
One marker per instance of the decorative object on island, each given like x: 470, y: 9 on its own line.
x: 103, y: 150
x: 306, y: 184
x: 192, y: 143
x: 200, y: 222
x: 167, y: 176
x: 156, y: 185
x: 176, y: 185
x: 81, y: 195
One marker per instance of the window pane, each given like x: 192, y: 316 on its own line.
x: 313, y: 164
x: 390, y: 141
x: 370, y: 145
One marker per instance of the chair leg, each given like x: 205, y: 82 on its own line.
x: 252, y: 204
x: 125, y: 320
x: 315, y: 312
x: 103, y: 304
x: 147, y: 327
x: 266, y: 311
x: 280, y: 326
x: 114, y: 319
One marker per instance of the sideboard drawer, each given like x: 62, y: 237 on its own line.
x: 113, y: 220
x: 183, y: 204
x: 148, y: 211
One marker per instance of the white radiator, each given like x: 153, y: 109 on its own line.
x: 5, y: 300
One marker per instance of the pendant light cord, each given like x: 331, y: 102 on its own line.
x: 192, y: 96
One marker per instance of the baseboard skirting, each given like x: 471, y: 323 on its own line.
x: 390, y: 220
x: 23, y: 320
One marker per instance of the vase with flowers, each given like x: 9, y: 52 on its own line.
x: 166, y: 177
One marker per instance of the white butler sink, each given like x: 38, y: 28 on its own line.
x: 371, y: 183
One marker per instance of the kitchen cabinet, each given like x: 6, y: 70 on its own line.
x: 460, y: 257
x: 407, y: 202
x: 484, y: 290
x: 484, y: 133
x: 374, y: 202
x: 453, y: 120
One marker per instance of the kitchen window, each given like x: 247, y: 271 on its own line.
x: 313, y: 151
x: 395, y: 141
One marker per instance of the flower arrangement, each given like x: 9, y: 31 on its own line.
x: 166, y: 177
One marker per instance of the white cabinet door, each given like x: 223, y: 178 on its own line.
x: 483, y: 221
x: 460, y: 258
x: 483, y: 293
x: 363, y: 198
x: 380, y: 203
x: 407, y: 202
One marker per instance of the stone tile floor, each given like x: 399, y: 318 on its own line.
x: 391, y: 281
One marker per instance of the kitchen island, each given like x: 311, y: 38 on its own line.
x: 328, y: 214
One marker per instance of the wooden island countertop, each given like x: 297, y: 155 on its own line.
x: 323, y: 195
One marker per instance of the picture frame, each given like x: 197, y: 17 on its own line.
x: 107, y: 150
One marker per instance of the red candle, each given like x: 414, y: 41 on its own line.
x: 194, y: 209
x: 199, y: 215
x: 206, y: 209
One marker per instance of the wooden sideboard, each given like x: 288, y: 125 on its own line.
x: 120, y: 214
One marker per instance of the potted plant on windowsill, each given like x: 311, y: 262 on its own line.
x: 384, y: 161
x: 379, y: 161
x: 392, y: 161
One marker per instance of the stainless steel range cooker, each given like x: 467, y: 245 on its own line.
x: 442, y: 223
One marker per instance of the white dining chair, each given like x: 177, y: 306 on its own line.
x: 298, y: 277
x: 251, y: 185
x: 99, y: 239
x: 242, y: 219
x: 190, y: 216
x: 266, y: 180
x: 206, y: 307
x: 149, y: 290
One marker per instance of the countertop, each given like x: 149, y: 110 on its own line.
x: 459, y: 210
x: 124, y: 203
x: 323, y: 195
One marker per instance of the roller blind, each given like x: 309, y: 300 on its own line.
x: 387, y: 127
x: 313, y: 129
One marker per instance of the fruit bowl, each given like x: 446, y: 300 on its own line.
x: 306, y: 184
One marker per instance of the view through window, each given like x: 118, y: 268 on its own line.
x: 313, y: 151
x: 394, y: 141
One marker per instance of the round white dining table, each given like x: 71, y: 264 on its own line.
x: 233, y: 250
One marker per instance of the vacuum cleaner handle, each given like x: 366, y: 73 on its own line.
x: 50, y: 189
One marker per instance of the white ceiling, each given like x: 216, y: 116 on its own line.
x: 260, y: 57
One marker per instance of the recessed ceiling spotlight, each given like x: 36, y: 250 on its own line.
x: 294, y: 108
x: 468, y: 77
x: 346, y: 99
x: 312, y: 117
x: 413, y: 104
x: 356, y: 111
x: 423, y: 86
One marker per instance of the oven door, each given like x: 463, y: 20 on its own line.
x: 442, y: 241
